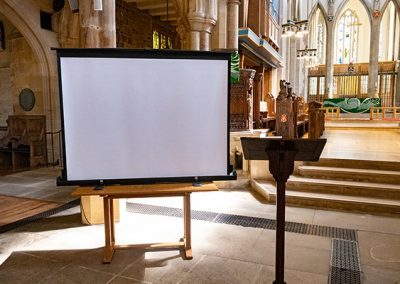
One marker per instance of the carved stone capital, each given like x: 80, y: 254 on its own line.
x: 201, y: 24
x: 233, y: 2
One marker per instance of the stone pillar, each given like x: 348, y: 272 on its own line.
x: 202, y: 17
x: 397, y: 87
x: 329, y: 59
x: 373, y: 59
x: 258, y: 88
x: 233, y: 24
x: 219, y: 34
x: 194, y: 40
x: 97, y: 28
x: 293, y: 76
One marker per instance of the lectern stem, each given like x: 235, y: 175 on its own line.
x: 280, y: 233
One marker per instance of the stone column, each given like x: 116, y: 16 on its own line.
x: 233, y: 24
x: 202, y: 17
x: 97, y: 28
x: 373, y: 59
x: 219, y: 34
x: 293, y: 76
x: 258, y: 88
x: 329, y: 59
x: 397, y: 87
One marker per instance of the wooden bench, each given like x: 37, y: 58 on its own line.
x: 109, y: 193
x: 24, y: 145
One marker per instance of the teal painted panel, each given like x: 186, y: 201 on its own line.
x: 353, y: 105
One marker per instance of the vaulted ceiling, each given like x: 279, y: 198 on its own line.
x: 164, y: 9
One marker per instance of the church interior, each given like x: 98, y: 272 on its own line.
x: 299, y: 69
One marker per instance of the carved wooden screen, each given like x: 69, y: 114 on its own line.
x: 238, y: 108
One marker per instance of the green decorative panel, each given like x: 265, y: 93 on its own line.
x: 235, y: 70
x: 353, y: 105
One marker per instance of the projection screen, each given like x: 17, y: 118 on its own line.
x: 140, y: 116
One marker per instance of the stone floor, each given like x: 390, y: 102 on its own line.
x: 59, y: 249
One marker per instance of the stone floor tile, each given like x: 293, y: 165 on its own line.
x: 356, y: 221
x: 126, y: 280
x: 224, y: 240
x: 24, y: 268
x: 267, y: 276
x: 161, y: 267
x: 300, y: 255
x: 379, y: 250
x: 214, y: 269
x: 373, y: 275
x: 77, y: 274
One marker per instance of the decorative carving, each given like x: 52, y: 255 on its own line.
x: 331, y: 6
x: 241, y: 104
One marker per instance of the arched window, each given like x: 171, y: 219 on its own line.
x: 389, y: 34
x: 317, y: 37
x: 347, y: 37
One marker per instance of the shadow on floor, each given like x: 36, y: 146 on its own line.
x: 85, y: 266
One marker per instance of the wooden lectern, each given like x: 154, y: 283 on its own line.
x: 281, y: 154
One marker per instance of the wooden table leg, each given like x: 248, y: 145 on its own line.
x: 187, y: 226
x: 108, y: 228
x: 112, y: 221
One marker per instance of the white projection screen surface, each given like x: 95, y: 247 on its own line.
x: 156, y: 117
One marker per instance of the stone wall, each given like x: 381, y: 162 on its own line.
x: 25, y: 74
x: 135, y: 27
x: 6, y: 108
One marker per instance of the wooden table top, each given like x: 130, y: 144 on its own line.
x: 146, y: 189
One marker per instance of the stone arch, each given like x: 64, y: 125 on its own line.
x: 338, y: 14
x: 313, y: 11
x: 343, y: 4
x: 23, y: 15
x: 41, y: 41
x: 317, y: 6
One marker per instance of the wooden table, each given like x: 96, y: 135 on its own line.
x: 139, y: 191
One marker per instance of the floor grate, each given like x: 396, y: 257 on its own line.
x: 39, y: 216
x: 345, y: 263
x: 245, y: 221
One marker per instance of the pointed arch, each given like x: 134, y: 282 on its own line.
x: 318, y: 31
x: 318, y: 5
x: 388, y: 40
x: 342, y: 5
x: 19, y: 13
x: 349, y: 39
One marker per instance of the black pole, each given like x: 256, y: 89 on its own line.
x: 280, y: 234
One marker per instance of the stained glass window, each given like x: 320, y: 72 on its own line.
x: 274, y: 9
x: 161, y: 41
x: 347, y: 37
x: 317, y: 36
x: 156, y: 40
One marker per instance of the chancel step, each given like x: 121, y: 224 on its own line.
x: 344, y: 187
x: 357, y: 164
x: 360, y: 204
x: 364, y: 175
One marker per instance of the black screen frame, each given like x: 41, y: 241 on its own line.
x: 141, y: 53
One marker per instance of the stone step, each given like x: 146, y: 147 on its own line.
x: 342, y: 187
x: 365, y: 175
x: 359, y: 204
x: 356, y: 164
